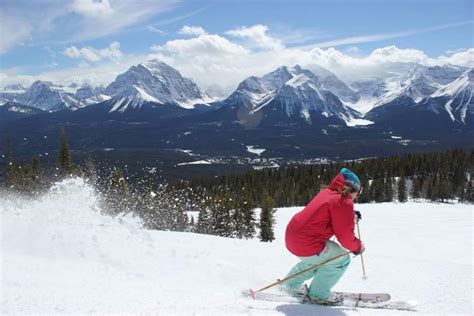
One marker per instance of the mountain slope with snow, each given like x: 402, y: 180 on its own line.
x: 431, y: 95
x: 457, y: 97
x: 48, y: 96
x: 156, y: 82
x: 60, y: 255
x: 9, y: 92
x: 416, y: 82
x: 294, y: 91
x: 331, y: 82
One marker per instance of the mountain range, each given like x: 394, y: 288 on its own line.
x: 292, y: 110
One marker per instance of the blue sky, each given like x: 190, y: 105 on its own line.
x: 51, y: 39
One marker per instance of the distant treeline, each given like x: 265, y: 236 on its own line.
x: 437, y: 177
x: 225, y: 205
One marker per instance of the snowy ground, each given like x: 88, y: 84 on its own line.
x: 59, y: 255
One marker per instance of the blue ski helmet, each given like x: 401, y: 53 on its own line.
x: 351, y: 179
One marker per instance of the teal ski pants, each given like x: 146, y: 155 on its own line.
x: 325, y: 277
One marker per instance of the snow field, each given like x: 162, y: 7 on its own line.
x: 60, y: 255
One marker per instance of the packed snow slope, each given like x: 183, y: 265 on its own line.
x: 60, y: 255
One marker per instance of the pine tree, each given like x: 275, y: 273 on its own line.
x: 90, y: 171
x: 21, y: 179
x: 244, y: 218
x: 222, y: 214
x: 432, y: 188
x: 38, y: 183
x: 117, y: 195
x: 364, y: 196
x: 378, y: 190
x: 191, y: 225
x: 11, y: 169
x: 416, y: 188
x: 249, y: 219
x: 204, y: 225
x: 146, y: 206
x: 267, y: 219
x: 65, y: 162
x: 238, y: 219
x: 402, y: 196
x: 370, y: 190
x: 445, y: 188
x: 469, y: 195
x: 179, y: 220
x: 388, y: 193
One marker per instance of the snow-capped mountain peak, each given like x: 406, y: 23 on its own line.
x: 457, y: 97
x: 412, y: 80
x: 47, y: 96
x: 296, y: 91
x: 456, y: 86
x: 438, y: 91
x: 424, y: 81
x: 298, y: 80
x: 13, y: 88
x: 159, y: 68
x: 156, y: 82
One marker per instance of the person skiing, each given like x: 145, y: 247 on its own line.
x: 330, y: 213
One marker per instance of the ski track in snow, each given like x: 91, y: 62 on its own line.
x: 60, y: 255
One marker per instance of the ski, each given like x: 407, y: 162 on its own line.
x: 368, y: 300
x: 364, y: 297
x: 396, y: 305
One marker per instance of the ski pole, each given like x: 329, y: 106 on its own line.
x: 364, y: 276
x: 253, y: 293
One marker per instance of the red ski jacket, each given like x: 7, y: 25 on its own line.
x: 328, y: 214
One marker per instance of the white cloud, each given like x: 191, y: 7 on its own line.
x: 90, y: 54
x: 19, y: 25
x: 204, y: 45
x: 462, y: 58
x: 154, y: 29
x: 454, y: 51
x: 386, y: 36
x: 192, y: 30
x: 108, y: 18
x: 257, y: 36
x: 393, y: 54
x: 53, y: 22
x: 214, y: 59
x: 14, y: 31
x: 361, y: 39
x: 93, y: 8
x: 353, y: 50
x: 289, y: 35
x: 95, y: 74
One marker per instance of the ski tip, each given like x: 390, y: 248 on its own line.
x: 252, y: 294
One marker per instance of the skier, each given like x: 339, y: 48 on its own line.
x: 331, y: 212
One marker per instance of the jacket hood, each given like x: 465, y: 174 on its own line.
x: 337, y: 183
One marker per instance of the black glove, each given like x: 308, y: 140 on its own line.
x: 358, y: 215
x: 362, y: 249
